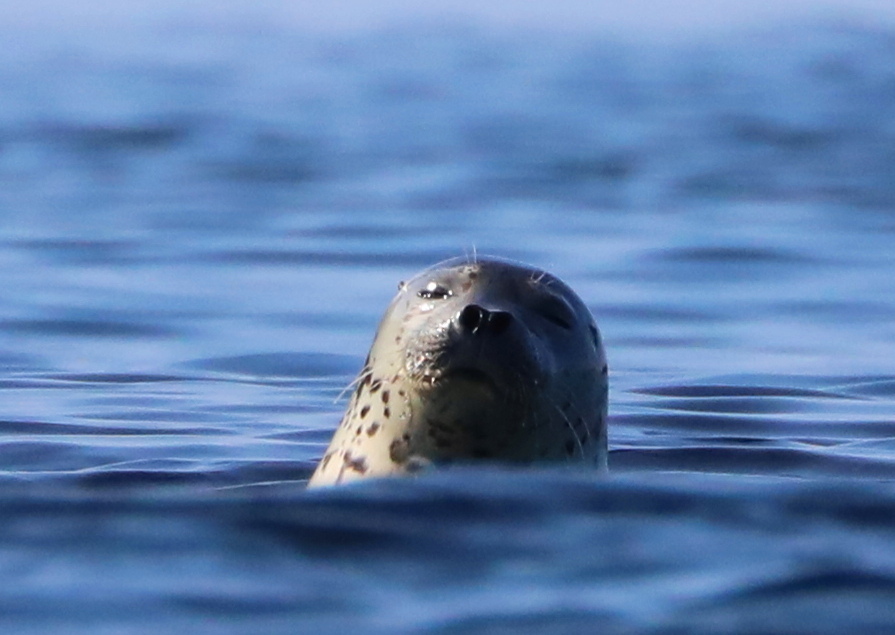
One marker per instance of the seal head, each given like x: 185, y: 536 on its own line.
x: 475, y: 360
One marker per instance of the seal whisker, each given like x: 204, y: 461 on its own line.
x: 471, y: 258
x: 537, y: 277
x: 569, y: 425
x: 354, y: 382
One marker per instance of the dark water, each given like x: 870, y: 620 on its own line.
x: 202, y: 225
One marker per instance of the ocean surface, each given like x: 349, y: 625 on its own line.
x: 201, y: 224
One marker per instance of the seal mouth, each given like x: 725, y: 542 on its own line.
x: 468, y: 374
x: 473, y: 376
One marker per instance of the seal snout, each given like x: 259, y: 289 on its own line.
x: 476, y: 320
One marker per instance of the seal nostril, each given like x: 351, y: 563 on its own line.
x: 472, y: 317
x: 475, y: 319
x: 499, y: 321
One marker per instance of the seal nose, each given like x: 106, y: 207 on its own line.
x: 476, y: 319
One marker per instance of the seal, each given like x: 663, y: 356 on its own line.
x: 489, y: 359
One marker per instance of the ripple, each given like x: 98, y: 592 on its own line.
x: 29, y: 456
x: 722, y: 391
x: 282, y: 365
x: 297, y: 257
x: 105, y: 137
x: 883, y: 387
x: 724, y: 255
x: 826, y: 580
x: 83, y: 251
x: 767, y: 460
x: 49, y: 429
x: 116, y: 378
x: 535, y: 622
x: 88, y: 328
x: 733, y: 405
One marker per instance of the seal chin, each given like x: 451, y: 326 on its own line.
x: 486, y: 387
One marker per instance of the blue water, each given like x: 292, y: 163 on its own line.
x: 201, y: 226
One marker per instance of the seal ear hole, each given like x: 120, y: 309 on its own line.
x: 434, y: 291
x: 595, y: 335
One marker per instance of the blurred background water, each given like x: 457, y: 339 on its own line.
x: 204, y: 215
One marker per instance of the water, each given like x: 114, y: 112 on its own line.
x: 203, y: 223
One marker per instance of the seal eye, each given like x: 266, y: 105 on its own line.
x: 434, y: 291
x: 557, y: 312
